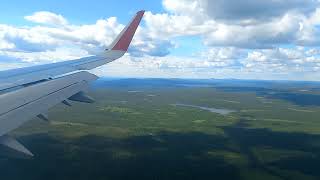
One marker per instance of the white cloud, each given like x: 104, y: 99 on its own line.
x: 293, y: 61
x: 43, y: 39
x: 45, y: 17
x: 240, y: 23
x: 279, y: 63
x: 56, y: 55
x: 239, y: 11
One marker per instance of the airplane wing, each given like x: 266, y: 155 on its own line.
x: 29, y: 92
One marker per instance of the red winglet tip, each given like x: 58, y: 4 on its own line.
x: 124, y: 41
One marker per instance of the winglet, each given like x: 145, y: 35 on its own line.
x: 123, y: 40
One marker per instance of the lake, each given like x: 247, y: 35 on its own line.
x: 214, y: 110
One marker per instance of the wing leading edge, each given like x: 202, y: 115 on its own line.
x: 30, y: 92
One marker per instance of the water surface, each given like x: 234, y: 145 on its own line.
x: 214, y: 110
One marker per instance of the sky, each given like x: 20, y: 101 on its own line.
x: 239, y: 39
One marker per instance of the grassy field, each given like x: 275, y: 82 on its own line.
x: 137, y: 132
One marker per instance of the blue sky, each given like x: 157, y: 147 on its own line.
x: 244, y: 39
x: 77, y: 11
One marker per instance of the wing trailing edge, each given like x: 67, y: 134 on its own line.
x: 14, y: 146
x: 20, y: 106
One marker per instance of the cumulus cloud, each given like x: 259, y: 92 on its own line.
x: 280, y: 63
x: 239, y: 10
x: 240, y: 23
x: 256, y: 11
x: 45, y: 17
x: 284, y: 30
x: 48, y: 56
x: 43, y: 43
x: 296, y: 61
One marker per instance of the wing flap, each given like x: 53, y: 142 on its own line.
x: 19, y: 106
x: 14, y: 145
